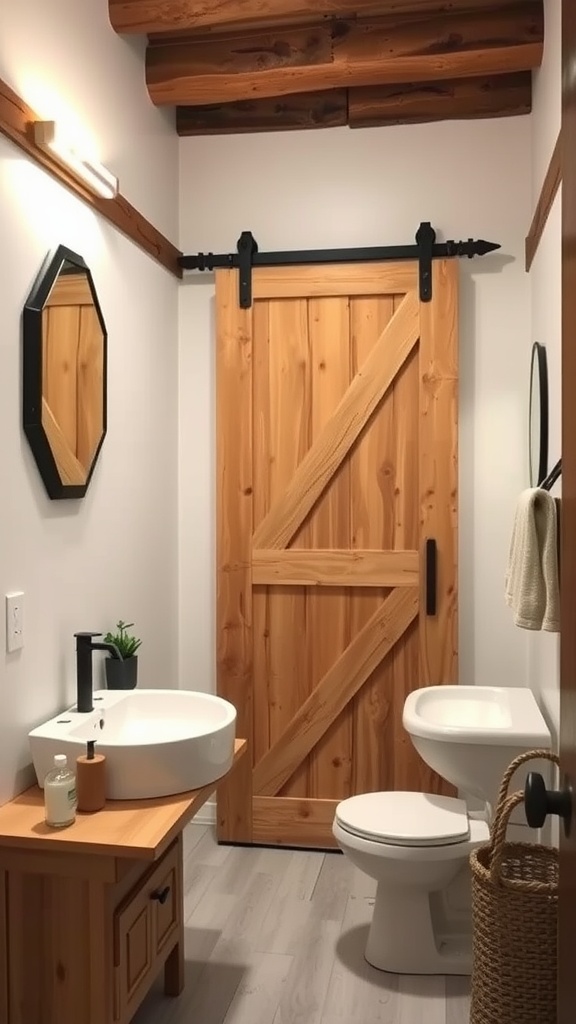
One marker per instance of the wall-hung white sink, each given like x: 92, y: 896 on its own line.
x: 470, y: 734
x: 156, y: 742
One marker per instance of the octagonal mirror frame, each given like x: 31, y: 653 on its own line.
x: 60, y: 480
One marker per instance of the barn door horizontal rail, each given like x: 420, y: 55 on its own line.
x: 425, y: 250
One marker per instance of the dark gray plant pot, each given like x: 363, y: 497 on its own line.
x: 121, y: 675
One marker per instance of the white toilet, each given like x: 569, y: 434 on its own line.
x: 417, y: 845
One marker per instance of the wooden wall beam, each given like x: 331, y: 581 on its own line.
x: 152, y: 16
x: 372, y: 106
x: 545, y: 202
x: 386, y: 51
x: 16, y: 121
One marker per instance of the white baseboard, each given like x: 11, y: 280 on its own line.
x: 206, y: 815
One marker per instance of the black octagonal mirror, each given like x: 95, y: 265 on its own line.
x: 64, y: 369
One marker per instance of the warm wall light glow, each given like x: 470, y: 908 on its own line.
x: 98, y: 179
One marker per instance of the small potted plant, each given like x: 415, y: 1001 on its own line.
x: 122, y: 673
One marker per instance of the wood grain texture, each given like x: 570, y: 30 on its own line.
x: 341, y: 431
x: 70, y: 290
x: 365, y: 107
x: 60, y: 370
x: 234, y: 530
x: 3, y: 948
x: 327, y: 694
x: 550, y: 187
x: 328, y: 612
x: 384, y: 51
x: 165, y: 16
x: 327, y: 567
x: 438, y: 355
x: 90, y: 413
x: 335, y: 690
x: 137, y: 829
x: 372, y: 469
x: 290, y: 387
x: 294, y: 822
x: 261, y: 449
x: 337, y: 279
x: 443, y: 100
x: 92, y: 948
x: 327, y: 109
x: 70, y: 469
x: 16, y: 119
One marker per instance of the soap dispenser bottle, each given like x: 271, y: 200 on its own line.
x: 91, y: 780
x: 60, y: 794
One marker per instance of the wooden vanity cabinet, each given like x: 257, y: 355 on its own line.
x: 88, y: 949
x: 90, y: 914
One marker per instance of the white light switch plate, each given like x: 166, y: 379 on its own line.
x: 14, y: 622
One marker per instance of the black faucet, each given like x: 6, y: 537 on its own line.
x: 84, y: 648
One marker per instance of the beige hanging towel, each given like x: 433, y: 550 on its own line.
x: 532, y: 588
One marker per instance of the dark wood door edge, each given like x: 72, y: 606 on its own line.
x: 545, y: 202
x: 16, y: 121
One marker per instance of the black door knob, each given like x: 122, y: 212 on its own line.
x: 539, y: 802
x: 161, y: 895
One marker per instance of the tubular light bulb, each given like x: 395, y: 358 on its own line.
x: 93, y: 174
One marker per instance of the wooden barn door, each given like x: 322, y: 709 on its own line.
x: 337, y: 461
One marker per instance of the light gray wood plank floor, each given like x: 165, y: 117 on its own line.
x: 277, y: 937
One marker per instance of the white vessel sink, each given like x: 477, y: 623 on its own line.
x: 156, y: 742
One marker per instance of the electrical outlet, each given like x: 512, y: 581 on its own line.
x: 14, y: 622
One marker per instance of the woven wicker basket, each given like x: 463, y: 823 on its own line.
x: 514, y: 910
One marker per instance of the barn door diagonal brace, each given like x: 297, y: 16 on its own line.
x: 425, y: 250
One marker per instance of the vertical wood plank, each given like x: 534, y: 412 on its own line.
x: 327, y: 622
x: 3, y: 948
x: 404, y: 668
x: 101, y: 940
x: 439, y: 469
x: 290, y: 402
x: 234, y: 538
x: 174, y: 976
x: 261, y: 503
x: 372, y: 466
x: 59, y: 362
x: 89, y: 385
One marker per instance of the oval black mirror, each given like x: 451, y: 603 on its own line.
x: 538, y: 416
x: 64, y: 370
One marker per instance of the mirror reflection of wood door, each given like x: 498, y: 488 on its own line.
x: 337, y: 460
x: 72, y: 376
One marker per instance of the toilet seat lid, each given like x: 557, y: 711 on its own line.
x: 405, y: 819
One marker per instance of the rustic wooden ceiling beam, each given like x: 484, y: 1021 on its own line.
x: 457, y: 99
x: 385, y: 51
x: 304, y: 110
x: 373, y: 106
x: 151, y: 16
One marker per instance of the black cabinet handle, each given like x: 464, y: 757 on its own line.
x: 539, y: 802
x: 431, y: 575
x: 161, y: 895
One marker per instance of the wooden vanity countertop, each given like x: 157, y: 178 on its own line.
x: 137, y: 829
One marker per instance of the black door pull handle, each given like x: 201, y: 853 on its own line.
x: 161, y: 895
x: 431, y: 575
x: 539, y: 802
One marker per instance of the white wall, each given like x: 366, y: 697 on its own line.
x: 545, y: 281
x: 372, y: 187
x: 84, y: 564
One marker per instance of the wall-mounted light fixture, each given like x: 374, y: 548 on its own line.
x: 93, y: 174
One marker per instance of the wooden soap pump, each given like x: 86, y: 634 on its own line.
x: 91, y: 780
